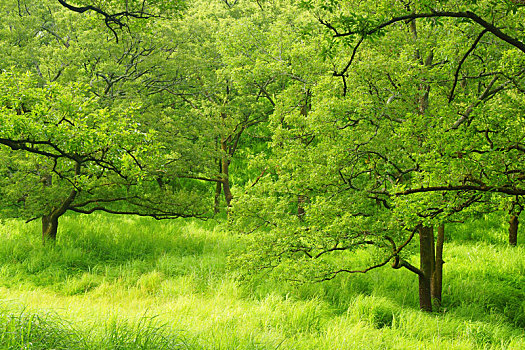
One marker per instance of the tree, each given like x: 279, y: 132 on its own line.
x: 69, y: 154
x: 419, y: 131
x: 227, y: 68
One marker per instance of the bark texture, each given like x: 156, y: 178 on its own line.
x: 49, y: 228
x: 437, y: 277
x: 426, y: 262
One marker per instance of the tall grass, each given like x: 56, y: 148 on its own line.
x: 24, y: 330
x: 134, y: 283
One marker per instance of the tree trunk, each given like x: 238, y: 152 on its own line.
x: 436, y: 286
x: 50, y: 221
x: 161, y: 184
x: 225, y: 168
x: 228, y: 196
x: 513, y: 230
x: 300, y: 206
x: 426, y: 259
x: 218, y: 190
x: 49, y: 228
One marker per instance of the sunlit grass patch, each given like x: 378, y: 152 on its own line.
x: 130, y: 283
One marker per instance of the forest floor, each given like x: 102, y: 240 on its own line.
x: 134, y: 283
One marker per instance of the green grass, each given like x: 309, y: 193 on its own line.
x: 134, y: 283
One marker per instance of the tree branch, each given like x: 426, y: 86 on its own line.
x: 480, y: 188
x: 131, y: 212
x: 456, y: 74
x: 109, y: 19
x: 486, y: 94
x: 467, y: 14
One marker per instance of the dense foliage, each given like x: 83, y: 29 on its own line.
x: 328, y: 127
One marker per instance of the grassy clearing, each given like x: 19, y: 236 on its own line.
x: 132, y: 283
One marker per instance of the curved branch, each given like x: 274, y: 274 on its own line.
x: 466, y: 14
x: 480, y: 188
x: 399, y: 263
x: 115, y: 18
x: 131, y: 212
x: 394, y: 254
x: 456, y: 74
x: 486, y: 94
x: 345, y: 69
x: 111, y: 17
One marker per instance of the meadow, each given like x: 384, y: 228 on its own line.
x: 135, y: 283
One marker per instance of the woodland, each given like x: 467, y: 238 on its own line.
x: 344, y: 156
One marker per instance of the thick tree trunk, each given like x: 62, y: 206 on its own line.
x: 50, y: 221
x: 426, y: 258
x: 513, y: 230
x: 228, y: 196
x: 436, y: 286
x: 49, y: 228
